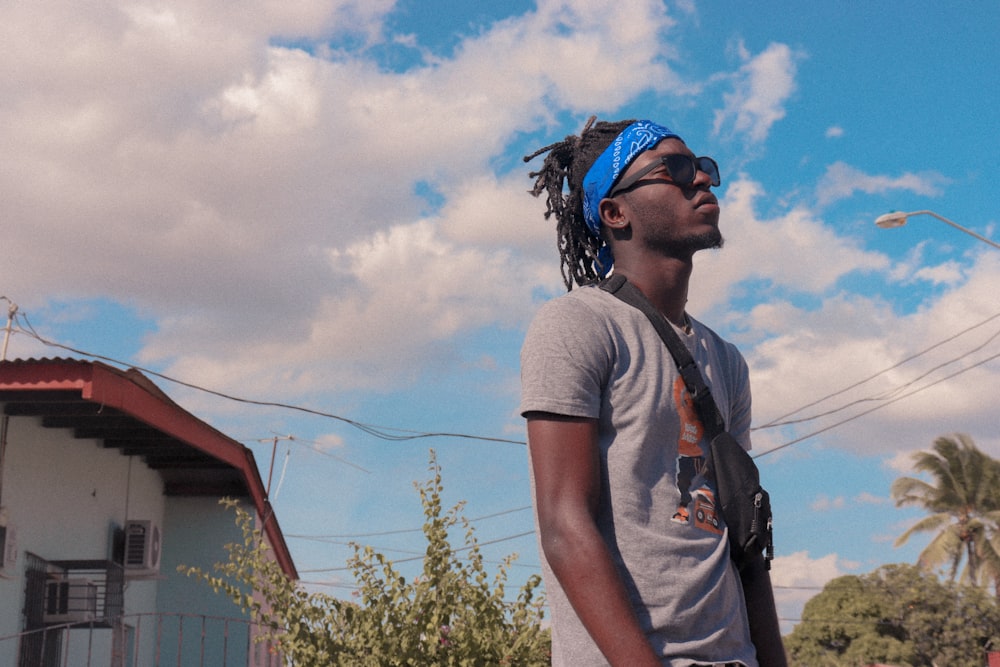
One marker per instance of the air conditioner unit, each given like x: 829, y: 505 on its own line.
x: 142, y: 547
x: 70, y: 601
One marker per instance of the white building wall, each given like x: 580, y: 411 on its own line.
x: 63, y: 496
x: 200, y: 528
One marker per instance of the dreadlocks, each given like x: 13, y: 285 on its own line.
x: 565, y: 166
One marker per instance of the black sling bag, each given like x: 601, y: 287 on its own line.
x: 745, y: 505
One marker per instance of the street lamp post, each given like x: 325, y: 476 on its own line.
x: 898, y: 219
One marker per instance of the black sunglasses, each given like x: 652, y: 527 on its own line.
x: 682, y: 169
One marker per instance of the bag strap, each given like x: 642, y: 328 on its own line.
x: 701, y: 395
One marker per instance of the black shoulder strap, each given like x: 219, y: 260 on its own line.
x: 701, y: 395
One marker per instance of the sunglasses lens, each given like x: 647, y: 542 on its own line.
x: 707, y: 165
x: 681, y: 168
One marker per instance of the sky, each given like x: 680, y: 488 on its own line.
x: 323, y: 205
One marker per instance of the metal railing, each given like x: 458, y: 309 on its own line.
x: 145, y: 640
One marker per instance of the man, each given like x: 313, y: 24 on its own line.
x: 633, y: 576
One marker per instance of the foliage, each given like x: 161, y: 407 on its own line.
x: 898, y: 615
x: 451, y: 615
x: 964, y: 506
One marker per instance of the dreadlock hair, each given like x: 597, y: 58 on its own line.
x: 561, y: 178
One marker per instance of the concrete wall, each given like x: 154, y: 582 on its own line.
x: 62, y: 497
x: 199, y: 529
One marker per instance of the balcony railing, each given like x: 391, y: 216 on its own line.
x: 143, y: 640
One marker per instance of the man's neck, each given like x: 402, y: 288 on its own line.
x: 664, y: 282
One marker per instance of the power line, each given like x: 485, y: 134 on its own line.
x: 314, y: 446
x: 323, y: 538
x: 382, y: 432
x: 885, y: 394
x: 780, y: 421
x: 398, y: 434
x: 422, y: 556
x: 877, y: 407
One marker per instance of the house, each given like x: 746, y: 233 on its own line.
x: 106, y: 487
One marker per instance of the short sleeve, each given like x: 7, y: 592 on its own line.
x: 565, y: 359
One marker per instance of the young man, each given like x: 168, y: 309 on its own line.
x: 634, y: 575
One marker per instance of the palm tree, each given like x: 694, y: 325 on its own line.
x: 964, y: 506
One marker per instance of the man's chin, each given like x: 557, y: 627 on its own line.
x: 707, y: 241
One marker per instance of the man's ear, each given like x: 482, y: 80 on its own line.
x: 612, y: 214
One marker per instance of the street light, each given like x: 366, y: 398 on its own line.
x: 898, y: 219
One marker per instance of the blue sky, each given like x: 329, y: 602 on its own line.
x: 323, y: 204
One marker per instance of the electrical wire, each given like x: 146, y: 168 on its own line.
x: 397, y: 434
x: 424, y: 555
x: 323, y: 538
x: 781, y: 420
x: 876, y: 408
x: 382, y: 432
x: 314, y: 446
x: 885, y: 395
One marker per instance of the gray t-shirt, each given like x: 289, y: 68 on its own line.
x: 588, y: 354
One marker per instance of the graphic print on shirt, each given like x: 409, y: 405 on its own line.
x: 691, y: 481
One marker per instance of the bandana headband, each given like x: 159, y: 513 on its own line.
x: 615, y: 159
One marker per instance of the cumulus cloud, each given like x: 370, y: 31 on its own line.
x: 798, y: 577
x: 796, y: 250
x: 761, y: 88
x: 261, y: 197
x: 905, y: 387
x: 831, y: 363
x: 866, y: 498
x: 824, y: 503
x: 841, y: 181
x: 209, y: 169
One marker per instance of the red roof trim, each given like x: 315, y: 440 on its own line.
x: 134, y: 394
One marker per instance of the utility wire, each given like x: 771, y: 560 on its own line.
x: 877, y: 407
x: 885, y: 395
x: 323, y: 538
x: 422, y: 556
x: 314, y: 446
x: 398, y: 434
x: 780, y: 421
x: 382, y: 432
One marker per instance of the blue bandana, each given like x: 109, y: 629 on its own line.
x: 603, y: 174
x: 615, y: 159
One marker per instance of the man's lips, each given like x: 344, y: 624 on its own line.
x: 708, y: 199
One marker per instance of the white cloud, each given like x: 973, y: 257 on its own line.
x: 762, y: 87
x: 824, y: 503
x: 908, y: 388
x: 794, y: 251
x: 207, y: 174
x: 950, y: 273
x: 902, y: 462
x: 259, y: 201
x: 810, y: 339
x: 841, y: 181
x: 797, y: 578
x: 329, y: 441
x: 834, y: 132
x: 866, y: 498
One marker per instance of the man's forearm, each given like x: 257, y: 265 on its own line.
x: 582, y: 564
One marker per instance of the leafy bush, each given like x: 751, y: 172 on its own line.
x: 452, y: 614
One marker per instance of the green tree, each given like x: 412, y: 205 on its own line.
x: 452, y: 614
x: 898, y: 615
x: 964, y: 507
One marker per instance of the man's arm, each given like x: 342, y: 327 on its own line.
x: 764, y: 630
x: 566, y: 465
